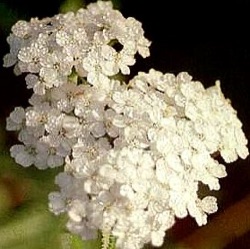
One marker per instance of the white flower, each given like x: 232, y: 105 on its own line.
x: 56, y: 203
x: 134, y: 153
x: 95, y: 74
x: 15, y: 43
x: 48, y: 156
x: 21, y: 29
x: 114, y: 61
x: 201, y: 208
x: 113, y: 123
x: 36, y: 83
x: 75, y: 43
x: 135, y: 34
x: 23, y: 155
x: 16, y: 119
x: 55, y: 68
x: 90, y: 148
x: 38, y: 115
x: 64, y: 96
x: 30, y: 57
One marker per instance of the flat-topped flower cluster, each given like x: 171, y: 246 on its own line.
x: 134, y: 153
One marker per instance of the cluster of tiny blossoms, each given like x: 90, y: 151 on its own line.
x: 134, y: 153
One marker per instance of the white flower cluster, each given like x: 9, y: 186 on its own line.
x: 134, y: 153
x: 71, y: 61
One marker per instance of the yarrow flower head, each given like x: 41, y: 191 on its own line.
x: 134, y: 153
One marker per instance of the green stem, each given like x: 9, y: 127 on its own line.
x: 108, y: 240
x: 71, y: 5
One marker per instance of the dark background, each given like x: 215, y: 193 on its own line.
x: 208, y: 39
